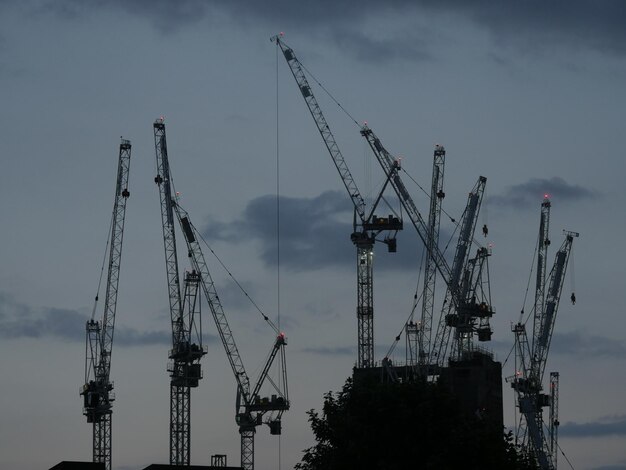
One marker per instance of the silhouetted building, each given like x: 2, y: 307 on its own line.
x: 188, y: 467
x: 69, y: 465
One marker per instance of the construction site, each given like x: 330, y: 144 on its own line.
x: 443, y: 338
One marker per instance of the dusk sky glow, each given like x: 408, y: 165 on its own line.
x: 529, y: 94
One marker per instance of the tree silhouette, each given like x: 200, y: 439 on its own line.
x: 373, y: 425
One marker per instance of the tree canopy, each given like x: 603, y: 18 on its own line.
x: 373, y: 425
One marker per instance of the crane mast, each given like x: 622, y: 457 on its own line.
x: 185, y: 355
x: 531, y: 356
x: 366, y: 226
x: 97, y: 391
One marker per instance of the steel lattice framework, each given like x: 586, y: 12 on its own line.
x: 97, y: 390
x: 430, y: 268
x: 250, y: 407
x: 185, y: 371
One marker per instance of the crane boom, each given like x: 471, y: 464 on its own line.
x: 185, y: 371
x: 322, y: 126
x: 430, y: 268
x: 97, y: 390
x: 546, y: 324
x: 250, y: 407
x: 452, y: 315
x: 391, y: 167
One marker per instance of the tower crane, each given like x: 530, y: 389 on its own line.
x: 97, y: 390
x: 251, y: 408
x: 187, y: 349
x: 531, y: 356
x: 364, y: 240
x: 451, y: 276
x: 366, y: 226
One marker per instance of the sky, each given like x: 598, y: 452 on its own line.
x: 528, y: 94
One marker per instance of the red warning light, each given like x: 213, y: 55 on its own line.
x: 546, y: 196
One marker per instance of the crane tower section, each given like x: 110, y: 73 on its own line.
x: 97, y: 390
x: 187, y: 349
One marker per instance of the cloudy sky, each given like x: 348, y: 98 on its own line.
x: 529, y: 94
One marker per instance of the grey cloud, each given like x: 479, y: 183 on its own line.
x: 611, y: 467
x: 608, y: 426
x: 532, y: 25
x: 314, y: 233
x: 586, y: 345
x: 530, y: 193
x: 20, y: 321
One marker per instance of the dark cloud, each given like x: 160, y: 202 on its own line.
x: 530, y: 193
x: 608, y: 426
x: 538, y: 26
x: 582, y: 344
x: 19, y: 321
x: 314, y: 233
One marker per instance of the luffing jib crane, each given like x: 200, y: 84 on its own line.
x: 187, y: 349
x: 366, y: 226
x: 251, y: 408
x: 531, y: 356
x: 97, y: 390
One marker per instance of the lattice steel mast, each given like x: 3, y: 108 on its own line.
x: 185, y: 355
x: 430, y: 268
x: 97, y: 391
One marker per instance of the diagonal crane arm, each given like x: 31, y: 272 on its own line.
x: 454, y: 298
x: 541, y: 343
x: 164, y: 182
x: 248, y: 402
x: 391, y: 167
x: 322, y: 126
